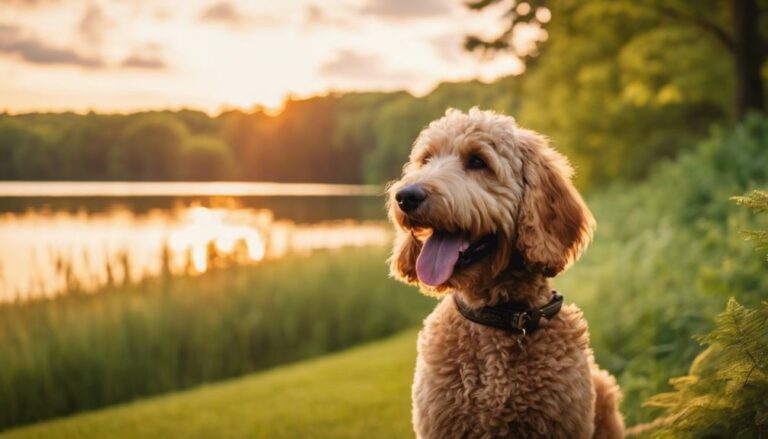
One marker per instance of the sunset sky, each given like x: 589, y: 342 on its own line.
x: 123, y: 55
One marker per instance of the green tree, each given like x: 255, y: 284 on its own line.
x: 197, y: 122
x: 617, y: 90
x: 206, y: 158
x: 149, y: 148
x: 86, y: 146
x: 12, y: 136
x: 397, y: 122
x: 738, y: 27
x: 36, y: 159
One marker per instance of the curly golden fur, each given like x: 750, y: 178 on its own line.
x: 474, y: 381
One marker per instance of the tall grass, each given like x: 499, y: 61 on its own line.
x: 83, y: 351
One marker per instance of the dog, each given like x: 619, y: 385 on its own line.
x: 485, y: 212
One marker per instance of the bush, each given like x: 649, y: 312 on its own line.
x: 667, y: 256
x: 724, y: 393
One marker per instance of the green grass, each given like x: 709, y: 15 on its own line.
x: 360, y: 393
x: 87, y: 351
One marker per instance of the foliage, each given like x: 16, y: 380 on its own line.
x: 206, y: 158
x: 619, y: 85
x: 667, y: 256
x: 338, y: 138
x: 723, y: 395
x: 149, y: 148
x: 396, y: 124
x: 362, y: 393
x: 85, y: 351
x: 757, y: 201
x: 617, y: 92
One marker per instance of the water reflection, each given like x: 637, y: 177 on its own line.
x: 44, y: 251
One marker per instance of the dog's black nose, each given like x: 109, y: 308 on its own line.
x: 410, y: 197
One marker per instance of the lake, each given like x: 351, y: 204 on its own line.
x: 59, y: 236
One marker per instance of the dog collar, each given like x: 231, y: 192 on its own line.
x: 511, y: 316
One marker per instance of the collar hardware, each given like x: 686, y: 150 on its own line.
x: 513, y: 317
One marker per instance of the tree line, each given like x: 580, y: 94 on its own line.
x: 338, y: 138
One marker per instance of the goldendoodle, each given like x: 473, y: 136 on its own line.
x: 485, y: 212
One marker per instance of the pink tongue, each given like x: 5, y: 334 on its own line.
x: 438, y: 257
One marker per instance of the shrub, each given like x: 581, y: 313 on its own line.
x: 724, y: 393
x: 667, y: 256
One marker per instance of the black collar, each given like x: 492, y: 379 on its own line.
x: 511, y: 316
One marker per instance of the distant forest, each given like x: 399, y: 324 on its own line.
x: 615, y: 97
x: 339, y: 138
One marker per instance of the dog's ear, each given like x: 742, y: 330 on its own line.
x: 554, y: 225
x: 402, y: 263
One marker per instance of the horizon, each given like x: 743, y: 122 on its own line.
x: 270, y: 111
x: 221, y: 55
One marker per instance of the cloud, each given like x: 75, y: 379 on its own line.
x: 147, y: 62
x: 314, y: 15
x: 404, y: 9
x: 225, y: 12
x: 147, y: 57
x: 36, y: 51
x: 222, y: 11
x: 348, y: 64
x: 27, y: 3
x: 93, y: 24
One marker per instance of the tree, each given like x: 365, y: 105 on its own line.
x: 12, y: 135
x: 616, y: 92
x: 742, y: 42
x: 86, y: 146
x: 149, y: 148
x: 742, y: 39
x: 206, y: 158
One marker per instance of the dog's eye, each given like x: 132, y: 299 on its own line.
x: 425, y: 160
x: 476, y: 162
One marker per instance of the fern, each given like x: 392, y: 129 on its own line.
x: 757, y: 201
x: 725, y: 394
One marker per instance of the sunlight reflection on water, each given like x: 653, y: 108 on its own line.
x: 44, y: 252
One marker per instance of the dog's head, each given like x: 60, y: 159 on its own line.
x: 480, y: 196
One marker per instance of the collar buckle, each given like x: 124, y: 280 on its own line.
x: 512, y: 317
x: 520, y: 322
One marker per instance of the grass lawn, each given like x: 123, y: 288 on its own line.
x: 362, y: 392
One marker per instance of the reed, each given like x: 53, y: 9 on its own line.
x: 81, y: 351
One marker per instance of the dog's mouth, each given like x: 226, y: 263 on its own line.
x: 443, y: 253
